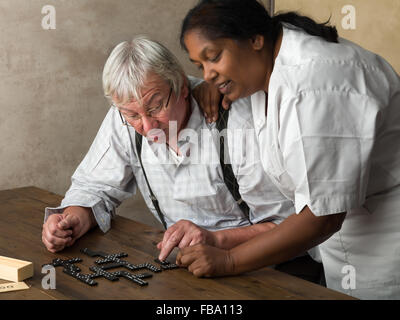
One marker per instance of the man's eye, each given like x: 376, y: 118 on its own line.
x: 200, y: 67
x: 156, y: 109
x: 134, y: 117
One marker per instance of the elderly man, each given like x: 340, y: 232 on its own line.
x: 172, y: 166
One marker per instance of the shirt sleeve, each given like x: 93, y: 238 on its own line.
x: 104, y: 178
x: 326, y: 138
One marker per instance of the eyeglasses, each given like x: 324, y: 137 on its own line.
x: 153, y: 112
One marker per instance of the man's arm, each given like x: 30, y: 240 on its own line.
x: 229, y: 238
x: 62, y: 230
x: 104, y: 178
x: 100, y: 183
x: 185, y: 233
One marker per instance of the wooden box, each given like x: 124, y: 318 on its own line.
x: 14, y: 269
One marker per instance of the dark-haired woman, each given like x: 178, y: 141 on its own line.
x: 327, y: 114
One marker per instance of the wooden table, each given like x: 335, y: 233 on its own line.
x: 21, y: 220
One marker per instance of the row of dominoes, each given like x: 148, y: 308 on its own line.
x: 104, y: 264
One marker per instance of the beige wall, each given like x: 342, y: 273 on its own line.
x: 377, y: 22
x: 51, y: 98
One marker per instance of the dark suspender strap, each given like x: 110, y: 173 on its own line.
x: 229, y: 177
x: 138, y: 140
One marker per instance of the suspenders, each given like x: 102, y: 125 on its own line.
x: 138, y: 140
x: 229, y: 177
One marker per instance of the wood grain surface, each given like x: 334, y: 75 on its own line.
x: 21, y: 221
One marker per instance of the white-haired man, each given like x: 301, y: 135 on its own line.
x: 151, y: 96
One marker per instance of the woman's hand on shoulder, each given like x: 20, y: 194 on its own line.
x: 208, y: 97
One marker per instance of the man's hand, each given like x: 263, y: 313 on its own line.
x: 206, y: 261
x: 54, y: 237
x: 62, y: 230
x: 208, y: 97
x: 183, y: 234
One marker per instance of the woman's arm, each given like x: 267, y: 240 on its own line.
x: 293, y: 236
x: 185, y: 233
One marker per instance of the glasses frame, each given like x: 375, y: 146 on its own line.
x: 126, y: 123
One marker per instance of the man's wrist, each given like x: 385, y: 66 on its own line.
x: 226, y: 239
x: 219, y: 239
x: 92, y: 218
x: 84, y: 214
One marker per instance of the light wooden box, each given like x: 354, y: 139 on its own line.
x: 15, y: 270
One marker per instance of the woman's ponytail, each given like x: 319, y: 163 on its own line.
x: 329, y: 33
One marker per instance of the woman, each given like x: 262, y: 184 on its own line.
x: 327, y: 114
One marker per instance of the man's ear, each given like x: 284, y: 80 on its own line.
x: 257, y: 42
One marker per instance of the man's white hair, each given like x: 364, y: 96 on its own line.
x: 129, y: 64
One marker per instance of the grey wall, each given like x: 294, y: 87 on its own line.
x: 51, y: 99
x: 50, y: 92
x: 376, y: 28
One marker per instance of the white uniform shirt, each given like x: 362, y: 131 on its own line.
x: 331, y: 141
x: 186, y: 187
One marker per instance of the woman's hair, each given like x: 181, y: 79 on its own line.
x: 243, y: 19
x: 129, y: 64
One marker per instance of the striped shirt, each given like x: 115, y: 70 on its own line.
x: 188, y: 187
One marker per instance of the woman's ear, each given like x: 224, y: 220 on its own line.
x: 257, y: 42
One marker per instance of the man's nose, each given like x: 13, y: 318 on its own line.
x: 148, y: 123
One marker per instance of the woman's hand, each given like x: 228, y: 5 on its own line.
x: 206, y: 261
x: 208, y: 97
